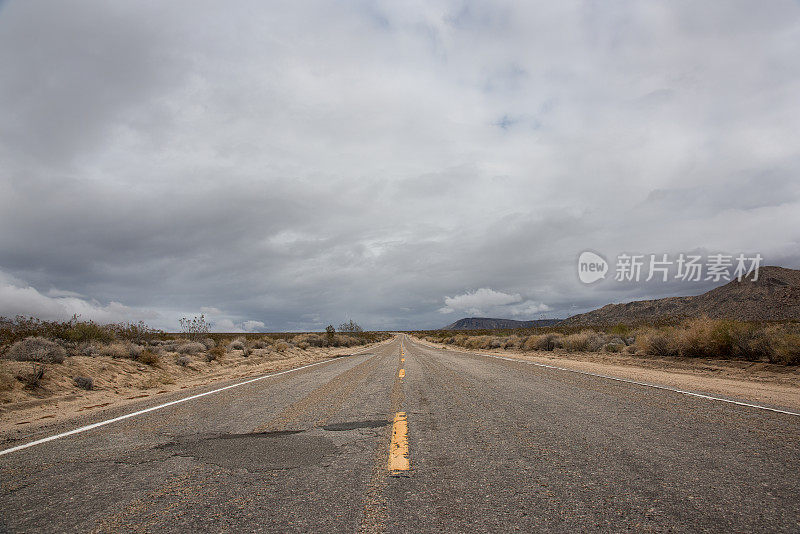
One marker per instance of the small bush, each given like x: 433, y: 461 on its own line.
x: 36, y: 349
x: 787, y: 349
x: 585, y: 341
x: 281, y: 346
x: 191, y: 348
x: 549, y: 342
x: 33, y: 379
x: 84, y: 382
x: 613, y: 347
x: 183, y: 361
x: 217, y: 353
x: 209, y: 343
x: 237, y: 344
x: 263, y: 343
x: 657, y: 343
x: 148, y: 357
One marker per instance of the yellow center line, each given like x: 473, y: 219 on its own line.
x: 402, y: 373
x: 398, y: 448
x: 402, y: 359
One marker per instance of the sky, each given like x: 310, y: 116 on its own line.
x: 287, y: 165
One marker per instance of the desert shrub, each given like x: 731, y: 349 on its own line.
x: 84, y: 382
x: 237, y: 344
x: 496, y: 343
x: 531, y: 343
x: 303, y: 345
x: 550, y: 341
x: 36, y: 349
x: 115, y: 350
x: 512, y: 342
x: 191, y: 348
x: 183, y: 361
x: 585, y: 341
x: 148, y: 357
x: 32, y: 379
x: 714, y: 338
x: 613, y: 347
x: 82, y: 331
x: 312, y: 339
x: 217, y: 353
x: 657, y: 343
x: 478, y: 342
x: 786, y: 348
x: 262, y: 343
x: 209, y: 343
x: 281, y: 346
x: 620, y: 330
x: 195, y: 328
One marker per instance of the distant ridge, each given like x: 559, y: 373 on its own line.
x: 483, y: 323
x: 774, y: 296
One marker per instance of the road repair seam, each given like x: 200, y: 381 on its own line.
x: 160, y: 406
x: 637, y: 383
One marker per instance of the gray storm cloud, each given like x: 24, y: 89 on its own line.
x: 291, y: 165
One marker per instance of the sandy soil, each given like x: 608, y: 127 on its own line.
x: 763, y: 383
x: 119, y: 381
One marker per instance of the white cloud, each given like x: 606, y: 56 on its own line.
x: 478, y: 301
x: 253, y: 326
x: 17, y: 298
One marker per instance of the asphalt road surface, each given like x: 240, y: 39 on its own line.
x: 475, y: 444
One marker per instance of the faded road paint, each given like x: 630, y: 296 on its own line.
x: 398, y: 448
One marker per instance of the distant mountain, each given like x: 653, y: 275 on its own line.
x: 774, y: 296
x: 483, y: 323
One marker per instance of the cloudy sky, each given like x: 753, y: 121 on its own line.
x: 285, y: 165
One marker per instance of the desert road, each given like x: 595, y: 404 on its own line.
x: 409, y: 438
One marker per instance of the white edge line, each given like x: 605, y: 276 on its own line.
x: 160, y: 406
x: 645, y: 384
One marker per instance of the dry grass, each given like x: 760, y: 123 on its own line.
x: 695, y: 338
x: 148, y: 357
x: 36, y: 349
x: 190, y: 348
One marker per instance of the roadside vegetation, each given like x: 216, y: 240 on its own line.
x: 777, y: 343
x: 40, y: 358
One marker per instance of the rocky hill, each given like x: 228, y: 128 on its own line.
x: 775, y: 295
x: 483, y: 323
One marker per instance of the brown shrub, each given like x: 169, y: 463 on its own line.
x: 656, y: 343
x: 191, y: 348
x: 281, y: 346
x: 786, y: 348
x: 36, y: 349
x: 237, y: 344
x: 585, y: 341
x: 84, y: 382
x: 217, y: 353
x: 32, y: 379
x: 148, y: 357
